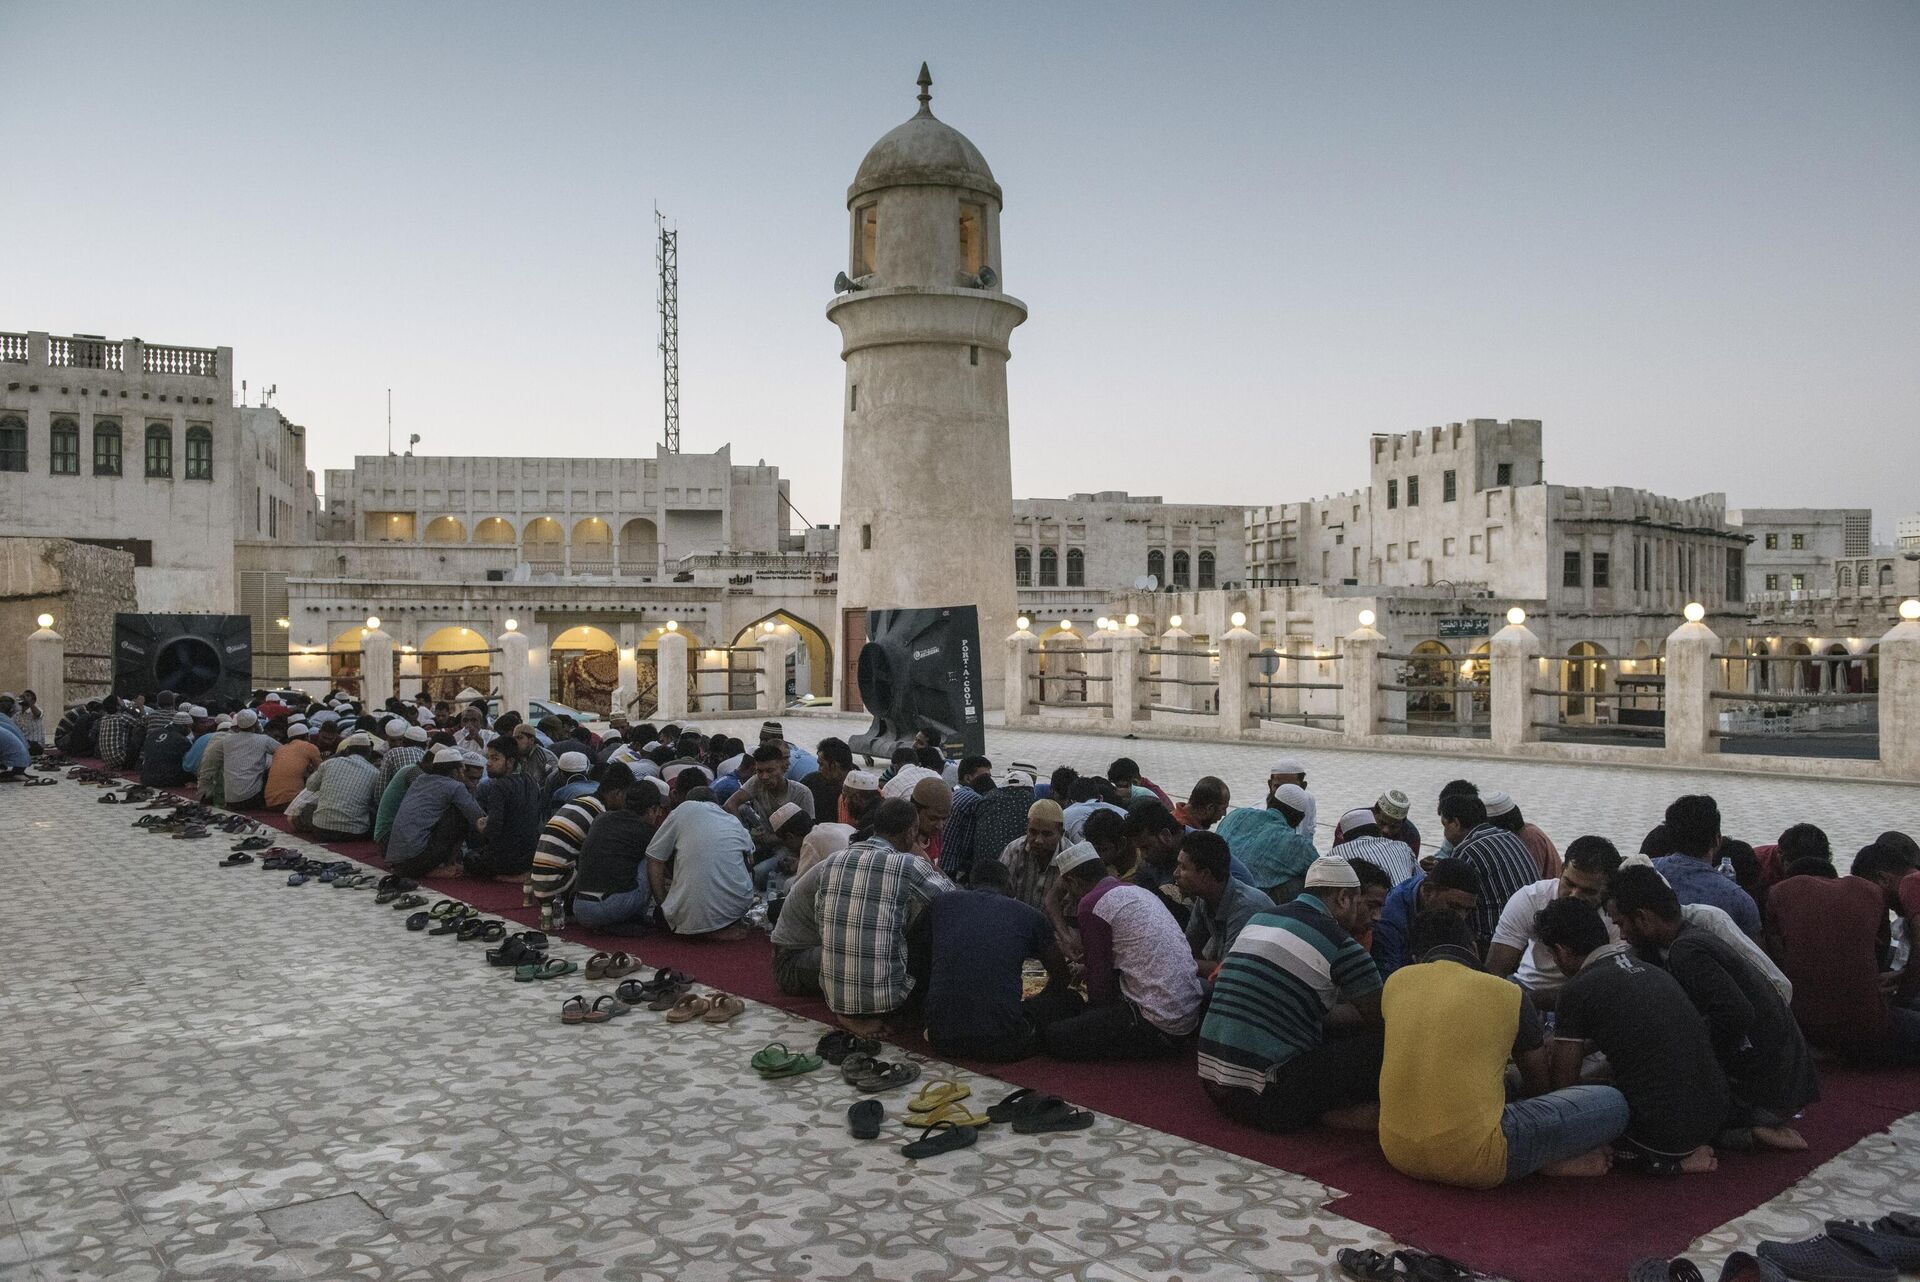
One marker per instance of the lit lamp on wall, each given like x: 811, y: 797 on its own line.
x: 283, y: 623
x: 46, y: 620
x: 1909, y: 610
x: 673, y: 625
x: 1023, y: 623
x: 1133, y: 620
x: 1516, y: 616
x: 373, y: 621
x: 513, y: 625
x: 1695, y: 612
x: 1367, y: 617
x: 1173, y: 621
x: 1238, y: 618
x: 1066, y: 625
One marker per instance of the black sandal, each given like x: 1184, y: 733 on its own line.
x: 941, y: 1137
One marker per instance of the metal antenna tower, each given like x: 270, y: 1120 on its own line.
x: 666, y: 258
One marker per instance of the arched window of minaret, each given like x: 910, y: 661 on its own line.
x: 973, y: 239
x: 866, y: 228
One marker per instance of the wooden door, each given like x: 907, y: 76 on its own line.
x: 853, y: 635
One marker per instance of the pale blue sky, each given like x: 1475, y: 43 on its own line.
x: 1682, y: 235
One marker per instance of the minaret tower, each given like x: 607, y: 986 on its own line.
x: 926, y: 475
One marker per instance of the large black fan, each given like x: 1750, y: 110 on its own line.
x: 920, y: 670
x: 201, y: 656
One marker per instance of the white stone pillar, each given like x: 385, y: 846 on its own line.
x: 1188, y: 666
x: 516, y: 673
x: 376, y: 668
x: 1126, y: 665
x: 412, y: 684
x: 1900, y: 698
x: 670, y: 676
x: 775, y: 647
x: 1018, y: 676
x: 47, y: 671
x: 1692, y: 714
x: 1361, y: 699
x: 627, y: 686
x: 1236, y: 669
x: 1514, y: 660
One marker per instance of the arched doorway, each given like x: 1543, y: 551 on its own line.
x: 446, y: 529
x: 543, y: 544
x: 1428, y: 673
x: 592, y: 547
x: 493, y: 530
x: 584, y: 666
x: 809, y: 663
x: 1584, y: 675
x: 1805, y: 678
x: 453, y: 659
x: 639, y: 547
x: 343, y: 661
x: 1842, y: 675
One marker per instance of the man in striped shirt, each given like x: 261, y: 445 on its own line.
x: 1364, y: 840
x: 556, y: 855
x: 1503, y: 861
x: 1266, y: 1058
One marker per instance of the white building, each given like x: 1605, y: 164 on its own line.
x: 1467, y: 506
x: 139, y: 446
x: 1796, y: 549
x: 1072, y: 555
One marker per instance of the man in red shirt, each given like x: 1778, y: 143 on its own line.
x: 1828, y: 935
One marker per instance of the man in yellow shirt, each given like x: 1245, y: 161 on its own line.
x: 1451, y: 1028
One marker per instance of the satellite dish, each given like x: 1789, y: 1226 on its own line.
x: 1147, y: 583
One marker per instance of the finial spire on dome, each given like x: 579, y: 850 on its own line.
x: 926, y: 90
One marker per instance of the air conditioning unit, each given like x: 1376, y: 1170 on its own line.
x: 496, y: 576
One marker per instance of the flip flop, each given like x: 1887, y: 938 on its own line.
x: 512, y: 953
x: 597, y: 965
x: 725, y: 1008
x: 552, y: 968
x: 1020, y: 1103
x: 938, y: 1094
x: 235, y: 860
x: 940, y: 1137
x: 574, y: 1010
x: 108, y: 799
x: 448, y: 926
x: 298, y: 879
x: 406, y: 902
x: 444, y: 909
x: 1062, y: 1116
x: 606, y: 1007
x: 834, y: 1047
x: 39, y: 783
x: 633, y: 993
x: 418, y: 921
x: 621, y: 964
x: 1439, y: 1268
x: 775, y: 1060
x: 865, y: 1117
x: 493, y: 931
x: 688, y: 1008
x: 668, y: 998
x: 1371, y: 1266
x: 470, y: 930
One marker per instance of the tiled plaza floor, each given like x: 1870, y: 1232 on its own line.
x: 207, y: 1074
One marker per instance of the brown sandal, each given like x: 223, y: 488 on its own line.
x: 723, y: 1007
x: 689, y: 1007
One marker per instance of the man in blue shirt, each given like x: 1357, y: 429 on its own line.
x: 1693, y: 835
x: 980, y: 940
x: 1453, y: 885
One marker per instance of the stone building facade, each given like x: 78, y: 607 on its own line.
x: 139, y: 446
x: 82, y: 586
x: 1798, y: 549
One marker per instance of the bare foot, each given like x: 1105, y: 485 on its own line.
x: 1700, y: 1161
x: 1360, y: 1117
x: 1598, y: 1162
x: 448, y: 870
x: 863, y: 1027
x: 727, y: 934
x: 1784, y: 1138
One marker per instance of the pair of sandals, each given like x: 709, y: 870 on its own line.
x: 1418, y: 1266
x: 391, y: 887
x: 575, y: 1009
x: 713, y: 1008
x: 665, y: 988
x: 543, y: 968
x: 1033, y: 1113
x: 468, y: 929
x: 776, y: 1061
x: 865, y: 1073
x: 611, y: 966
x: 838, y: 1044
x: 36, y: 781
x: 1849, y: 1251
x: 524, y: 947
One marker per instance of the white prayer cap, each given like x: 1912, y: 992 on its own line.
x: 1497, y: 803
x: 396, y: 729
x: 246, y: 719
x: 1330, y: 872
x: 1074, y: 856
x: 861, y: 781
x: 1288, y: 766
x: 575, y: 763
x: 296, y: 732
x: 416, y: 734
x: 1357, y: 818
x: 472, y: 757
x: 1293, y: 796
x: 444, y: 755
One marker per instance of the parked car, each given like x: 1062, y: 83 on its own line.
x: 542, y: 708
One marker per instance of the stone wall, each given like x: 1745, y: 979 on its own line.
x: 82, y: 587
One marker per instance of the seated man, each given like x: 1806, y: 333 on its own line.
x: 512, y: 798
x: 15, y: 753
x: 1639, y: 1017
x: 1452, y: 886
x: 867, y: 897
x: 1769, y: 1069
x: 980, y: 940
x: 1451, y: 1031
x: 1516, y: 951
x: 1503, y: 813
x: 556, y: 855
x: 243, y: 767
x: 768, y: 791
x: 1265, y: 1055
x: 1503, y: 861
x: 1291, y: 772
x: 1087, y: 797
x: 434, y: 817
x: 1222, y: 905
x: 1692, y: 828
x: 1154, y: 834
x: 1143, y: 996
x: 1206, y: 805
x: 697, y: 868
x: 293, y: 762
x: 346, y: 790
x: 796, y: 935
x: 1028, y: 858
x: 163, y: 760
x: 982, y: 830
x: 1361, y: 838
x: 1269, y: 843
x: 1828, y: 932
x: 781, y: 864
x: 1390, y: 816
x: 614, y: 895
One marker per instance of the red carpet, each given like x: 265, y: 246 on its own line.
x: 1540, y: 1230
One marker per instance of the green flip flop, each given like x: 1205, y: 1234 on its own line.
x: 777, y: 1060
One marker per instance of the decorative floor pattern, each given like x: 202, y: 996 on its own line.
x: 205, y: 1074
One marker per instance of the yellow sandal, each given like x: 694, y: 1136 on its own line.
x: 937, y: 1095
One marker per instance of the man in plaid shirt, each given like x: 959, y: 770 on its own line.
x: 868, y: 895
x: 119, y: 734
